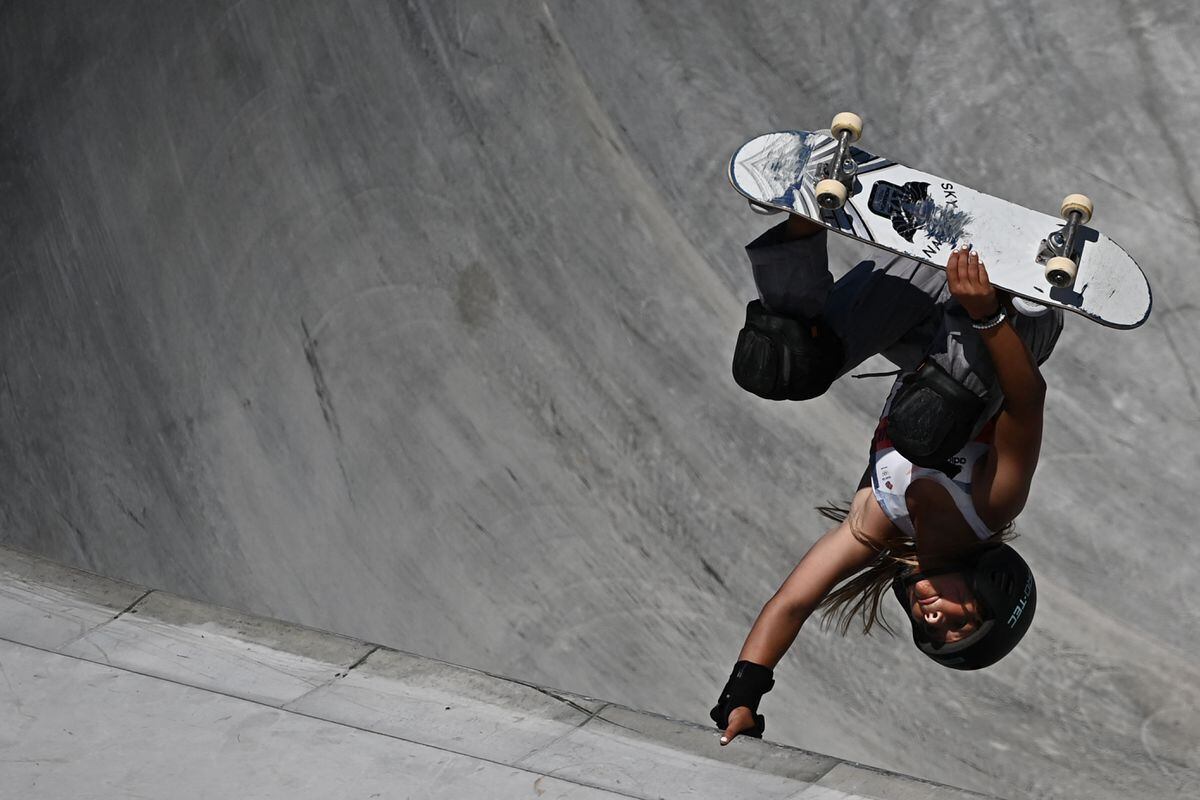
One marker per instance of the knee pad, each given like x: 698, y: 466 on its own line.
x: 932, y: 416
x: 783, y: 358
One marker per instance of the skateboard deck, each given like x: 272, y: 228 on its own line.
x: 911, y: 213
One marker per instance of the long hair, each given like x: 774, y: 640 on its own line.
x: 862, y: 595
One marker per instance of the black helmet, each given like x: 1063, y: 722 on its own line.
x: 1005, y: 590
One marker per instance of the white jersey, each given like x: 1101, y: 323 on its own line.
x: 892, y: 474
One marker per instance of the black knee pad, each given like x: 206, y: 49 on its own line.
x: 932, y: 416
x: 784, y: 358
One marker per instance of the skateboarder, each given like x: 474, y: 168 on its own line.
x: 951, y: 462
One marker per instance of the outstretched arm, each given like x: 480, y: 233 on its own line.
x: 835, y: 556
x: 1018, y: 439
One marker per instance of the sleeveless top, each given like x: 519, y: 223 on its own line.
x: 892, y: 473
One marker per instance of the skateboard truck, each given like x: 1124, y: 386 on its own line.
x: 837, y: 176
x: 1057, y: 251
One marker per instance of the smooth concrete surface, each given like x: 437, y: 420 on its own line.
x: 172, y: 698
x: 412, y: 321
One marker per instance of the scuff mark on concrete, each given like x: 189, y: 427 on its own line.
x: 322, y: 388
x: 325, y: 398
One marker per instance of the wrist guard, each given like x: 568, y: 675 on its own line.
x: 746, y: 686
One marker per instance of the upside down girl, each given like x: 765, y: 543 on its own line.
x: 951, y: 462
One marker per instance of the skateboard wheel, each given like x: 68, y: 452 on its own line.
x: 1060, y: 271
x: 847, y: 121
x: 1028, y: 308
x: 759, y: 208
x: 831, y: 194
x: 1076, y: 202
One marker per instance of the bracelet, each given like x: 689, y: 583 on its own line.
x: 989, y: 322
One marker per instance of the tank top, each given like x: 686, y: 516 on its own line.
x: 892, y: 474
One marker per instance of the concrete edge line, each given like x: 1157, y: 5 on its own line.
x: 339, y: 723
x: 833, y: 774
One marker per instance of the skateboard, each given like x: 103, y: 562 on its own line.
x: 1053, y: 261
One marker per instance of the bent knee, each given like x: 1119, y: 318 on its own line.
x: 779, y: 357
x: 932, y: 416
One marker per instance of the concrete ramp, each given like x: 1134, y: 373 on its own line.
x: 412, y: 320
x: 115, y: 690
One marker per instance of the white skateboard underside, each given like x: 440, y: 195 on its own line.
x: 923, y: 216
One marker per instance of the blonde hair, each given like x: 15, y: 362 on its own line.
x: 862, y: 595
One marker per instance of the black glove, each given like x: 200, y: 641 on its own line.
x: 747, y: 684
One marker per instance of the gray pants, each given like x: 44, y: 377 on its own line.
x: 899, y: 308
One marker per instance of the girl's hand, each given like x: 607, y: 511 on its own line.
x: 741, y: 720
x: 968, y: 281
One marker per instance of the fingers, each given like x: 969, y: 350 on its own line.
x: 961, y: 261
x: 741, y: 719
x: 958, y: 269
x: 967, y: 279
x: 965, y: 270
x: 979, y: 278
x: 984, y: 283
